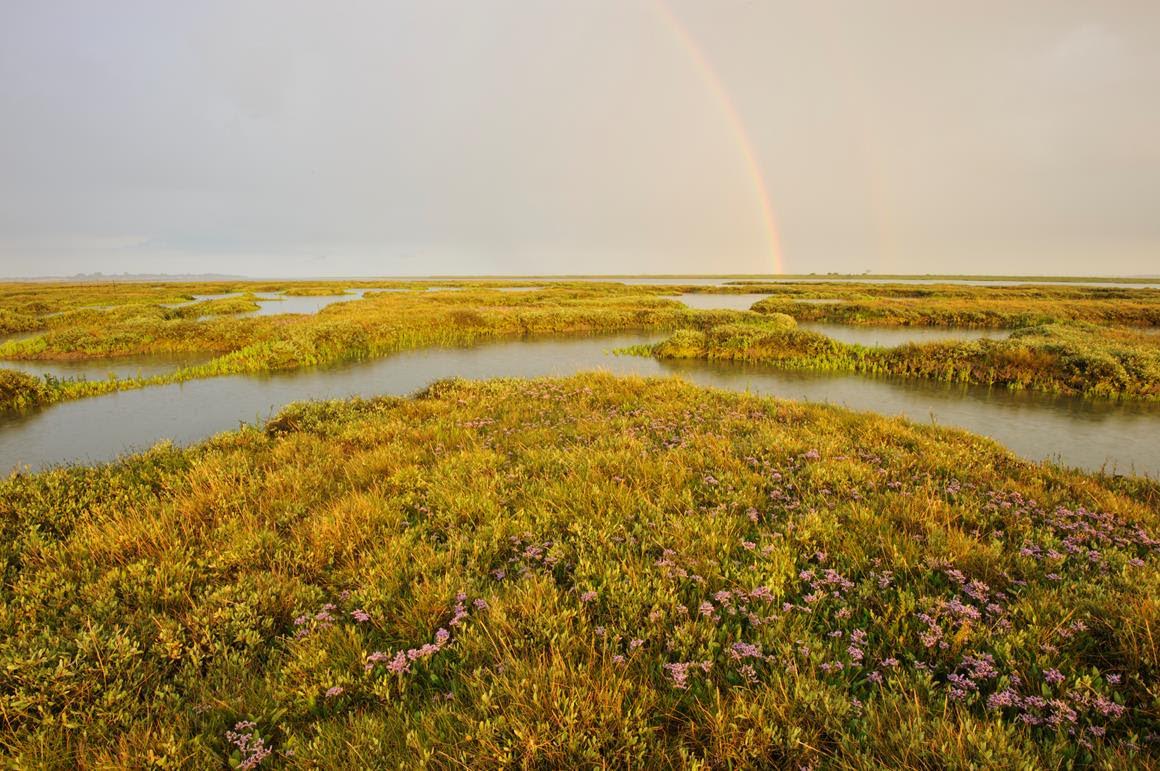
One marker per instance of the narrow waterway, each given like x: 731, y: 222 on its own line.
x: 1122, y: 437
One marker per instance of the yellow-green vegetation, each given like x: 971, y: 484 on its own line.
x: 94, y: 321
x: 581, y: 572
x: 315, y: 291
x: 961, y: 306
x: 1069, y: 358
x: 19, y: 390
x: 222, y: 307
x: 13, y: 322
x: 380, y: 324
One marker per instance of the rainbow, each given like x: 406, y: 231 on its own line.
x: 713, y: 81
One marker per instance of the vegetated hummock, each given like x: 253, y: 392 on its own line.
x: 378, y: 325
x: 581, y: 571
x: 1071, y: 358
x: 19, y: 390
x: 965, y: 306
x: 95, y: 321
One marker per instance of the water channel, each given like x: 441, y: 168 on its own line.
x: 1119, y: 436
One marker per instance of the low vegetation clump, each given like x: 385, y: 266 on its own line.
x: 12, y: 322
x: 226, y: 306
x: 315, y: 291
x: 1068, y: 358
x: 984, y: 307
x: 19, y: 390
x: 583, y: 571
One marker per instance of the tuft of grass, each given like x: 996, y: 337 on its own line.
x: 581, y: 571
x: 13, y: 322
x: 19, y: 390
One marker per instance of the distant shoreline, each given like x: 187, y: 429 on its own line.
x: 762, y: 277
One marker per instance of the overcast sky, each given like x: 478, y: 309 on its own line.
x: 578, y: 136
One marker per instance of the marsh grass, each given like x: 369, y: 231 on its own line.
x: 967, y: 306
x: 380, y: 324
x: 578, y: 572
x: 1069, y: 358
x: 19, y: 390
x: 127, y: 319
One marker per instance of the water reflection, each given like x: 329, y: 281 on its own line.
x: 1087, y: 433
x: 99, y: 369
x: 714, y: 302
x: 280, y: 304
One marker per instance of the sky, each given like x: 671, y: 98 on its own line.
x: 284, y: 138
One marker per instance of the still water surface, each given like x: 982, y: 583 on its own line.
x: 1124, y: 437
x: 713, y: 302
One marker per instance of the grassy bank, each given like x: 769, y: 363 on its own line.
x: 379, y: 325
x: 21, y: 391
x: 961, y: 305
x: 1067, y: 358
x: 98, y: 321
x: 576, y: 572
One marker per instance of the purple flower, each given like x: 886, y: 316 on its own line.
x: 251, y: 747
x: 1053, y: 676
x: 589, y: 596
x: 742, y: 650
x: 1108, y: 708
x: 761, y: 593
x: 1005, y: 698
x: 360, y: 615
x: 679, y: 673
x: 333, y: 691
x: 399, y: 665
x: 375, y: 658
